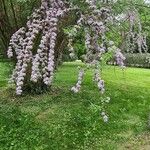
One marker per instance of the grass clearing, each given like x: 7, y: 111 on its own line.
x: 61, y: 120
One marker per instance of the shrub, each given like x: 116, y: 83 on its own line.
x: 138, y: 60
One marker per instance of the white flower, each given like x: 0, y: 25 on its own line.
x: 103, y: 113
x: 107, y: 99
x: 18, y: 92
x: 74, y: 89
x: 105, y: 118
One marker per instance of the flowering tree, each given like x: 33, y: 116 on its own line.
x: 36, y: 63
x: 133, y: 36
x: 34, y: 46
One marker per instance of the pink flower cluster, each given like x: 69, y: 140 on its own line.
x: 100, y: 82
x: 77, y: 87
x: 71, y: 49
x: 135, y: 37
x: 94, y: 26
x: 120, y: 58
x: 42, y: 24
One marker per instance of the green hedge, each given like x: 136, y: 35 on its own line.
x: 138, y: 60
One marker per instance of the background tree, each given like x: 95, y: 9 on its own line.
x: 13, y: 15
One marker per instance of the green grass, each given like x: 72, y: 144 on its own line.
x: 4, y: 71
x: 61, y: 120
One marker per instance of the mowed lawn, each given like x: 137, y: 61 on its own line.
x: 61, y: 120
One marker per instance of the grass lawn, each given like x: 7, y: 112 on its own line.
x: 61, y: 120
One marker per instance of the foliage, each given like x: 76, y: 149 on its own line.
x: 119, y: 30
x: 78, y: 43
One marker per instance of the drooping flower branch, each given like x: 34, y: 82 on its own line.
x: 135, y: 37
x: 94, y: 24
x: 100, y: 82
x: 43, y: 22
x: 77, y: 87
x: 120, y: 58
